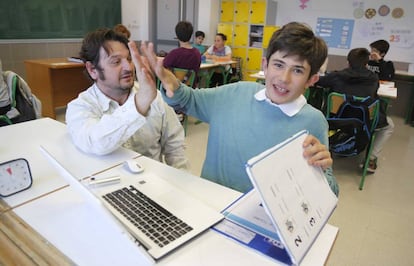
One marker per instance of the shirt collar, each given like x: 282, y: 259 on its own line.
x: 289, y: 109
x: 105, y: 101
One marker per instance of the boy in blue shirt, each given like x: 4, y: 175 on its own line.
x: 247, y: 118
x: 198, y: 41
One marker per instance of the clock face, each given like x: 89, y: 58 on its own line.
x: 15, y: 176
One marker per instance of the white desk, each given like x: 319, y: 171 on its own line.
x: 87, y: 235
x: 22, y: 141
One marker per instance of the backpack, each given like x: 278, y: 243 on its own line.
x: 350, y: 128
x: 23, y: 105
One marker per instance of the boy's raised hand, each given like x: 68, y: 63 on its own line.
x: 149, y: 60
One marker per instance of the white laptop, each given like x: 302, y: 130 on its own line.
x: 168, y: 217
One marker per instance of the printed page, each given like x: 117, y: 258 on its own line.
x: 296, y: 196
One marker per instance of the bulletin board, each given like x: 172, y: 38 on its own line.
x: 356, y: 23
x: 50, y: 19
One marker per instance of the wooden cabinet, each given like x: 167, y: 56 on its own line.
x: 248, y: 26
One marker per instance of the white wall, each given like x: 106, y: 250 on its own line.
x: 208, y: 18
x: 135, y: 17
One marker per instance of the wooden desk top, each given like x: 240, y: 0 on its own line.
x: 56, y: 63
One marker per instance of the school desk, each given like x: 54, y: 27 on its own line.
x: 55, y: 81
x: 86, y: 235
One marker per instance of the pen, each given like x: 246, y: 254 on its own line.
x: 99, y: 181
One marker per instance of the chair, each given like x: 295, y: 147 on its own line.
x: 237, y: 70
x: 186, y: 76
x: 334, y: 102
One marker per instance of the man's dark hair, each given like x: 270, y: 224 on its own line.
x: 381, y: 45
x: 184, y: 31
x: 358, y: 58
x: 297, y: 39
x: 199, y: 33
x: 93, y: 42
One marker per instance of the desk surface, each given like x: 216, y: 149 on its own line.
x: 74, y: 225
x: 61, y: 62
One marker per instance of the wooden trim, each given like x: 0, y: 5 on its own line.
x: 22, y: 245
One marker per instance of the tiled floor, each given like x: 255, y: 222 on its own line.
x: 376, y: 225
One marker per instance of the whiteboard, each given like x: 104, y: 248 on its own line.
x: 372, y: 20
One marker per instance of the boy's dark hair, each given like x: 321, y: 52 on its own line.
x: 381, y: 45
x: 200, y: 33
x: 358, y: 58
x: 94, y: 40
x: 299, y: 40
x: 222, y: 35
x: 184, y: 31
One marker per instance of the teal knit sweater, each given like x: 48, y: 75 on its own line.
x: 241, y: 127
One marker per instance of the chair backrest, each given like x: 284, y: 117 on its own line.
x: 237, y: 69
x: 186, y: 76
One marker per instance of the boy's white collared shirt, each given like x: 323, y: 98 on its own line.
x: 290, y: 109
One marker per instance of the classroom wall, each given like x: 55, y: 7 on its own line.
x: 14, y: 52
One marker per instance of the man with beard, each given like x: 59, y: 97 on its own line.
x: 118, y: 111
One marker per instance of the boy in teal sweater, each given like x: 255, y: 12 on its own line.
x: 247, y: 118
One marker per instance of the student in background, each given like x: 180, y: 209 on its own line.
x: 198, y: 41
x: 359, y: 81
x: 218, y: 51
x: 247, y: 118
x: 116, y: 112
x: 123, y: 30
x: 384, y: 69
x: 185, y: 56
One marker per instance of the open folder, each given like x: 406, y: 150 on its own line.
x: 288, y: 207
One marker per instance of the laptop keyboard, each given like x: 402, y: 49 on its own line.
x: 150, y: 218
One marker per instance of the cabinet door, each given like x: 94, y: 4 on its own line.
x: 226, y: 29
x: 258, y: 12
x: 239, y: 52
x: 227, y: 11
x: 241, y: 35
x: 254, y: 59
x: 267, y: 34
x: 241, y: 11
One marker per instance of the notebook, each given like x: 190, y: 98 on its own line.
x: 180, y: 217
x: 290, y: 204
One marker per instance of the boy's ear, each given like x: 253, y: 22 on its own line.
x: 264, y: 65
x: 312, y: 80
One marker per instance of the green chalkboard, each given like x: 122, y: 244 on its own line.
x: 50, y: 19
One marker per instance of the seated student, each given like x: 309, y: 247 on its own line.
x: 218, y: 51
x: 384, y: 69
x: 185, y: 56
x: 247, y: 118
x: 116, y: 112
x: 198, y: 41
x: 123, y: 30
x: 357, y: 80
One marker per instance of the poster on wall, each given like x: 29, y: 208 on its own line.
x: 337, y: 33
x: 370, y: 21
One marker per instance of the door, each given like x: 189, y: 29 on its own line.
x: 167, y: 14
